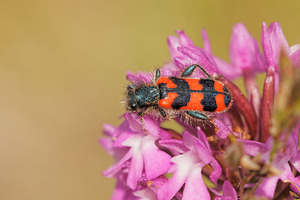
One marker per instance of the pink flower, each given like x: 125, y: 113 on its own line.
x: 244, y: 51
x: 289, y: 154
x: 229, y: 192
x: 213, y: 158
x: 143, y: 154
x: 187, y: 167
x: 184, y: 53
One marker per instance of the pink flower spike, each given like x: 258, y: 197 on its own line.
x: 157, y: 163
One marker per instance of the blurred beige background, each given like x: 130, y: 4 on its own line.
x: 62, y: 75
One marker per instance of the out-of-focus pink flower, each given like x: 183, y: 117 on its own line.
x: 289, y: 154
x: 244, y: 51
x: 273, y: 41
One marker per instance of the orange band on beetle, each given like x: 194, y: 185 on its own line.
x: 218, y: 86
x: 195, y: 102
x: 166, y: 103
x: 167, y: 81
x: 194, y: 84
x: 220, y: 101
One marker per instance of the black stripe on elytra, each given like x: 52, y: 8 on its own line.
x: 209, y: 100
x: 227, y: 97
x: 183, y: 97
x: 184, y: 93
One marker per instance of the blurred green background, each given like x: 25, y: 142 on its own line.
x: 62, y: 75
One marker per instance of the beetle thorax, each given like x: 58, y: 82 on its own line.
x: 147, y: 96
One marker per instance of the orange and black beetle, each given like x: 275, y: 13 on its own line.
x: 196, y: 98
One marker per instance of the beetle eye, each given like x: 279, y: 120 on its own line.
x: 133, y: 106
x: 130, y: 87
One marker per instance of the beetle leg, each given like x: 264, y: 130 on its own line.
x: 142, y: 113
x: 189, y: 71
x: 197, y: 115
x: 143, y: 124
x: 156, y: 76
x: 162, y: 112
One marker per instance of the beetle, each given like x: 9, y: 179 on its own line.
x: 180, y: 96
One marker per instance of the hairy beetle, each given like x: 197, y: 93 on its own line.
x: 180, y: 96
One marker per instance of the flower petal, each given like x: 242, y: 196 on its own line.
x: 226, y: 69
x: 199, y: 57
x: 176, y: 146
x: 252, y: 147
x: 267, y: 46
x: 156, y: 162
x: 206, y: 43
x: 145, y: 194
x: 173, y: 43
x: 135, y: 170
x: 183, y: 165
x: 267, y: 187
x: 122, y: 192
x: 184, y: 39
x: 242, y: 48
x: 223, y: 131
x: 114, y: 169
x: 169, y: 189
x: 278, y: 39
x: 140, y: 78
x: 217, y: 171
x: 228, y: 190
x: 195, y: 188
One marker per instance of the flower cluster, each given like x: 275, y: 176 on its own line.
x: 248, y: 152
